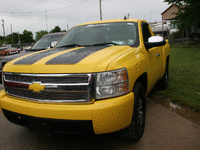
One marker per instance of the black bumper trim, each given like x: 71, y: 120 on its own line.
x: 48, y: 126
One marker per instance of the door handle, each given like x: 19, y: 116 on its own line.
x: 158, y: 54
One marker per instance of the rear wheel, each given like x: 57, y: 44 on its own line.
x: 136, y: 128
x: 7, y: 53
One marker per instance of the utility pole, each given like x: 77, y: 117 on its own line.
x: 162, y: 28
x: 67, y: 27
x: 19, y: 39
x: 11, y: 32
x: 4, y: 31
x: 100, y: 10
x: 46, y: 21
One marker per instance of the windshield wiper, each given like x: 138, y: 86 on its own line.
x: 105, y: 43
x: 77, y: 45
x: 36, y: 49
x: 70, y: 45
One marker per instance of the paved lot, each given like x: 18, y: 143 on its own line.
x: 165, y: 130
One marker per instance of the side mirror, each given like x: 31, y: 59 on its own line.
x: 26, y: 49
x: 53, y: 44
x: 154, y: 41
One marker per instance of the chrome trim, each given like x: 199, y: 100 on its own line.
x: 49, y: 75
x: 54, y: 101
x: 50, y: 84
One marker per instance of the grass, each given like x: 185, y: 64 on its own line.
x: 184, y: 83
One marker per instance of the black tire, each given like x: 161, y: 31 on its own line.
x: 164, y: 81
x: 7, y: 53
x: 136, y: 129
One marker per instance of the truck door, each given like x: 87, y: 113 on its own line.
x: 154, y: 57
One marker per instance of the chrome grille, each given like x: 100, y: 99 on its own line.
x: 72, y: 88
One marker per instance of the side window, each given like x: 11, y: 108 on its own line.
x: 145, y: 31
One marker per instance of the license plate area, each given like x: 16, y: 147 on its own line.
x: 40, y: 127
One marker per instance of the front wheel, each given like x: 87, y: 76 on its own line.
x: 136, y: 129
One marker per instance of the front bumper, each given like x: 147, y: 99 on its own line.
x: 105, y: 116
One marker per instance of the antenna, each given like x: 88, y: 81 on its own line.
x: 126, y: 17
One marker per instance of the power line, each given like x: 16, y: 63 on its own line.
x: 44, y: 10
x: 68, y: 6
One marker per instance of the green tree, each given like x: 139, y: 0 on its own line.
x: 12, y: 38
x: 39, y: 34
x: 1, y: 40
x: 64, y: 30
x: 27, y: 37
x: 56, y: 29
x: 189, y: 13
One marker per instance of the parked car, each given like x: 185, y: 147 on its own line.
x: 46, y: 42
x: 27, y: 48
x: 14, y: 51
x: 8, y: 50
x: 94, y: 80
x: 4, y: 51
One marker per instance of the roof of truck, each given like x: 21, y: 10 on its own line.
x: 113, y: 20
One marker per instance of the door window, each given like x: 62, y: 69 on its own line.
x: 145, y: 31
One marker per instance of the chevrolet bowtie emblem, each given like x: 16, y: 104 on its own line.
x: 36, y: 87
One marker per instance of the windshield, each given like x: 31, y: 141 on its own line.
x: 46, y: 40
x: 117, y: 33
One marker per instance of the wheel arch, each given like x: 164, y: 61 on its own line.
x: 167, y: 61
x: 143, y: 80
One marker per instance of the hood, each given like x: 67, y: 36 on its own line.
x: 11, y: 57
x: 71, y: 60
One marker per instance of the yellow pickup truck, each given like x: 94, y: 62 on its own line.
x: 93, y: 81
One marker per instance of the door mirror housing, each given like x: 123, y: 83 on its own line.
x: 154, y: 41
x: 53, y: 44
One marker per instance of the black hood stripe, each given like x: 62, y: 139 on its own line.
x: 36, y: 57
x: 71, y: 57
x: 75, y: 56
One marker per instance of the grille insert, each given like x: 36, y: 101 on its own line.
x: 73, y: 88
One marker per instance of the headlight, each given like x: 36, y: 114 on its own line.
x: 112, y: 83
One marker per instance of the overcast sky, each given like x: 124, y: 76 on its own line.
x: 30, y: 14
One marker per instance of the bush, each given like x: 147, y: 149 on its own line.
x: 177, y: 34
